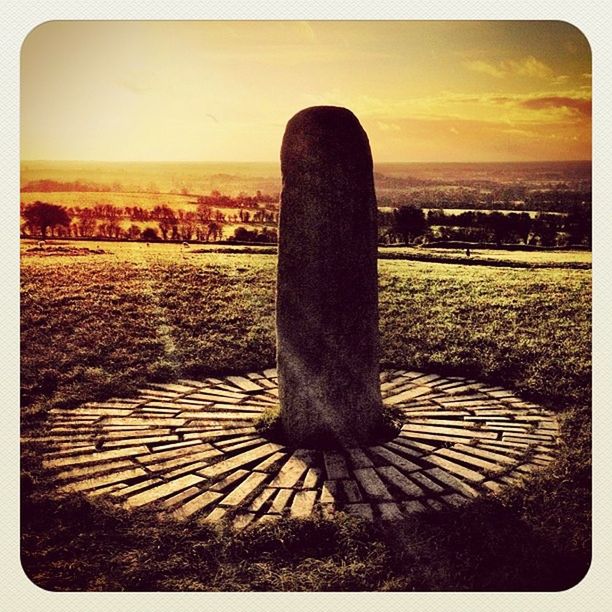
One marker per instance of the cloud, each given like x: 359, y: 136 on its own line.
x: 561, y: 79
x: 388, y: 127
x: 135, y: 85
x: 527, y: 67
x: 580, y: 105
x: 485, y: 68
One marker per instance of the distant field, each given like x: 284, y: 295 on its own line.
x: 95, y: 326
x: 89, y: 199
x: 169, y: 251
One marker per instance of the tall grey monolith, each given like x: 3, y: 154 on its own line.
x: 327, y: 286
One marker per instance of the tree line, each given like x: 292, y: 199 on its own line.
x: 405, y: 224
x: 409, y: 224
x: 108, y: 221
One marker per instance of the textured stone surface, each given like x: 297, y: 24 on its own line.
x: 202, y: 471
x: 327, y: 292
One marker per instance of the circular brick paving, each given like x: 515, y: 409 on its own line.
x: 191, y: 449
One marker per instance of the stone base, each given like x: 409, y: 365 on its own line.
x: 192, y: 451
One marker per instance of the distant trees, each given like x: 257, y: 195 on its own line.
x: 42, y: 216
x: 578, y: 225
x: 409, y: 222
x: 545, y: 229
x: 242, y: 234
x: 150, y: 235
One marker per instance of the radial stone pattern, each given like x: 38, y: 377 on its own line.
x: 191, y: 450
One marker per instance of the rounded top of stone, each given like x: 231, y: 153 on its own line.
x: 321, y: 136
x: 322, y: 115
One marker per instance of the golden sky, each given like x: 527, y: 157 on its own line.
x: 224, y: 90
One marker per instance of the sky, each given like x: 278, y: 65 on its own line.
x: 443, y: 91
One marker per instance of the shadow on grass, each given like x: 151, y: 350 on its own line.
x: 72, y: 543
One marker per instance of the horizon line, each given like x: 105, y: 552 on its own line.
x: 225, y: 161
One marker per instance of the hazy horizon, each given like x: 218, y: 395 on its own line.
x: 272, y: 161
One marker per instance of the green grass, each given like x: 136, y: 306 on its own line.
x: 95, y: 326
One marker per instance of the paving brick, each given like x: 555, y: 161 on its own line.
x: 420, y: 446
x: 219, y: 434
x: 455, y: 468
x: 265, y: 382
x: 246, y: 488
x: 395, y: 477
x: 180, y: 497
x: 121, y: 453
x: 167, y: 447
x: 447, y: 431
x: 243, y: 520
x: 144, y: 421
x: 163, y: 455
x: 231, y: 448
x: 351, y: 490
x: 291, y: 472
x: 262, y: 498
x: 455, y: 500
x: 441, y: 422
x: 335, y: 465
x: 163, y: 490
x: 330, y: 493
x: 390, y: 511
x: 484, y: 453
x: 410, y: 507
x: 271, y: 463
x: 222, y: 393
x: 216, y: 516
x: 105, y: 479
x: 372, y: 484
x: 435, y: 504
x: 493, y: 486
x: 186, y: 468
x: 452, y: 481
x: 212, y: 398
x: 280, y: 500
x: 469, y: 459
x: 183, y: 460
x: 303, y: 503
x: 93, y: 470
x: 358, y: 458
x: 426, y: 482
x: 157, y: 393
x: 433, y: 437
x: 130, y: 490
x: 312, y: 478
x: 406, y: 395
x: 192, y: 383
x: 227, y: 465
x: 363, y: 511
x: 244, y: 383
x: 108, y: 489
x: 236, y: 440
x: 394, y: 459
x: 215, y: 416
x: 172, y: 387
x: 221, y: 485
x: 401, y: 449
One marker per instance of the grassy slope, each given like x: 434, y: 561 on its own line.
x: 97, y: 326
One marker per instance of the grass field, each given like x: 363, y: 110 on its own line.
x: 95, y: 326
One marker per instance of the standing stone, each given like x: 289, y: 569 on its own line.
x: 327, y: 286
